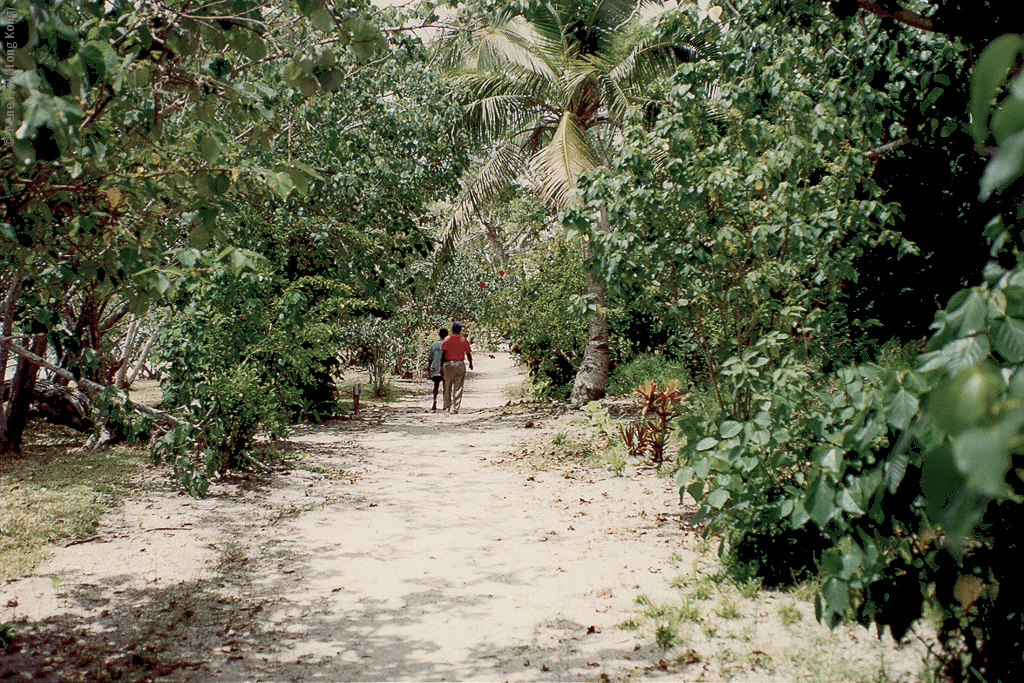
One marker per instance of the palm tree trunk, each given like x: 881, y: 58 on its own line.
x: 592, y: 376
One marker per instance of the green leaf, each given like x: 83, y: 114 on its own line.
x: 219, y: 182
x: 707, y: 443
x: 300, y: 180
x: 1004, y: 167
x: 1008, y: 339
x: 820, y: 503
x: 200, y: 237
x: 902, y: 408
x: 322, y: 19
x: 36, y: 112
x: 188, y: 257
x: 895, y: 470
x: 1008, y: 119
x: 730, y: 429
x: 966, y: 399
x: 989, y: 74
x: 256, y: 49
x: 308, y: 7
x: 836, y: 593
x: 982, y: 454
x: 847, y: 503
x: 959, y: 354
x: 717, y: 499
x: 308, y: 86
x: 830, y: 460
x: 210, y: 149
x: 940, y: 481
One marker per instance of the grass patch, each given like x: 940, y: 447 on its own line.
x: 703, y: 589
x: 643, y: 367
x: 53, y: 493
x: 728, y: 608
x: 630, y: 624
x: 688, y: 611
x: 789, y: 615
x: 749, y: 588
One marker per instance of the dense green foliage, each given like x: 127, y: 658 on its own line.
x: 897, y: 485
x: 237, y: 170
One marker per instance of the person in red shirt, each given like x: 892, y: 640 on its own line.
x: 456, y: 351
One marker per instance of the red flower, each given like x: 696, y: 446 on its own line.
x: 501, y: 273
x: 482, y: 285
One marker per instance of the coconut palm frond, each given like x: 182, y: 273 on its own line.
x: 490, y: 118
x: 611, y: 14
x: 617, y: 101
x: 503, y: 167
x: 579, y: 84
x: 499, y: 47
x: 519, y: 95
x: 555, y: 167
x: 548, y: 24
x: 649, y: 60
x: 717, y: 112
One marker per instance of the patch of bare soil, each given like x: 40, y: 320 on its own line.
x: 414, y: 545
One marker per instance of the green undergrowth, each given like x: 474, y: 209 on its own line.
x: 54, y: 493
x: 646, y: 367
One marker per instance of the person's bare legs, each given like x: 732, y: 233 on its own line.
x: 437, y: 385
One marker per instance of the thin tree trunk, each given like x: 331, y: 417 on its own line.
x: 15, y: 419
x: 126, y: 353
x: 140, y: 362
x: 7, y: 314
x: 500, y: 252
x: 162, y: 416
x: 591, y: 381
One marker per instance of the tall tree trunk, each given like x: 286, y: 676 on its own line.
x: 592, y: 376
x: 15, y: 417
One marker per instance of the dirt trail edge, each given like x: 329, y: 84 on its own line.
x: 403, y: 546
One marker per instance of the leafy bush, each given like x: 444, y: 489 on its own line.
x: 913, y: 475
x: 242, y: 353
x: 644, y: 367
x: 541, y: 333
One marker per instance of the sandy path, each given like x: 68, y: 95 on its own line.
x: 427, y: 560
x: 439, y: 565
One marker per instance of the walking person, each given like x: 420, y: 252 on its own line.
x: 434, y: 358
x: 456, y: 352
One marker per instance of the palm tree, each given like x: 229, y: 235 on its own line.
x: 551, y: 87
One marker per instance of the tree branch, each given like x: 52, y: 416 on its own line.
x: 903, y: 16
x: 886, y: 148
x: 9, y: 344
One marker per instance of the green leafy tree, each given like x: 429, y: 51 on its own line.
x: 908, y: 476
x: 119, y: 145
x: 738, y: 214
